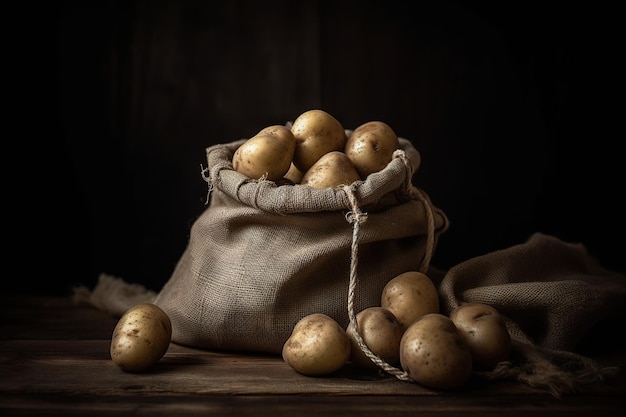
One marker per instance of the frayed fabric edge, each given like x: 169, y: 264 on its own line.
x: 113, y: 295
x: 540, y: 370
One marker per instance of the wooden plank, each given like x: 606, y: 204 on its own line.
x: 84, y: 368
x: 48, y: 367
x: 303, y: 406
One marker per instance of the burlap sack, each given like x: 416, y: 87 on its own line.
x: 263, y: 256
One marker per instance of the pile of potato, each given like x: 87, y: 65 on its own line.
x: 406, y: 330
x: 316, y: 150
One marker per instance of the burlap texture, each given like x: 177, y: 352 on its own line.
x: 551, y: 293
x: 263, y: 256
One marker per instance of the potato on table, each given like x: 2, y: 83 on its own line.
x: 485, y: 332
x: 141, y: 338
x: 318, y: 345
x: 381, y: 332
x: 434, y: 353
x: 409, y: 296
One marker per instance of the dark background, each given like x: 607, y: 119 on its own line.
x: 111, y: 104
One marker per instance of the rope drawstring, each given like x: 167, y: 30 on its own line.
x: 417, y: 194
x: 357, y: 218
x: 206, y: 175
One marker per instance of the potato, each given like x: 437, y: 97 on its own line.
x: 370, y: 147
x: 331, y: 170
x: 316, y: 133
x: 485, y: 332
x: 318, y: 345
x: 278, y: 131
x: 141, y: 337
x: 294, y: 175
x: 268, y: 153
x: 409, y: 296
x: 381, y: 333
x: 434, y: 353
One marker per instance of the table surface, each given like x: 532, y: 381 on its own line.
x: 54, y: 360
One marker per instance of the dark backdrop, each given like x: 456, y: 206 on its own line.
x: 511, y: 105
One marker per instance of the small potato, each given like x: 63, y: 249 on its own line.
x: 141, y: 338
x: 268, y: 153
x: 331, y: 170
x: 318, y: 345
x: 409, y: 296
x: 381, y: 333
x: 434, y: 353
x: 316, y: 133
x: 485, y: 332
x: 370, y: 147
x: 294, y: 175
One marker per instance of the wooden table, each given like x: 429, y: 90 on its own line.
x: 54, y: 360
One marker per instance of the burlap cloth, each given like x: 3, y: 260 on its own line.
x: 552, y: 293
